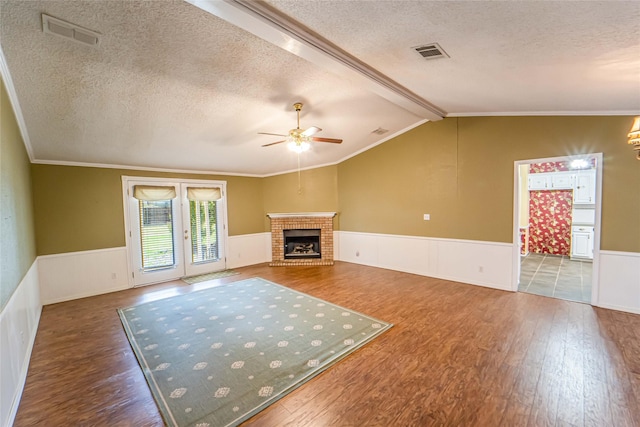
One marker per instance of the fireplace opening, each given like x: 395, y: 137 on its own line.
x: 301, y: 243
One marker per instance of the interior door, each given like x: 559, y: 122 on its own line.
x: 203, y: 227
x: 154, y: 231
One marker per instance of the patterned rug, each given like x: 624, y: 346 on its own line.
x: 209, y: 276
x: 218, y: 356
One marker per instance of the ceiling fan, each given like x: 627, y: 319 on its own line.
x: 298, y: 140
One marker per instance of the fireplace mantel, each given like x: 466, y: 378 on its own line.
x: 303, y: 214
x: 280, y: 222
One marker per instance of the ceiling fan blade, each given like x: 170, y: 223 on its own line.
x: 274, y: 143
x: 332, y: 140
x: 311, y: 131
x: 267, y: 133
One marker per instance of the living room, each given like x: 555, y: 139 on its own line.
x: 65, y: 234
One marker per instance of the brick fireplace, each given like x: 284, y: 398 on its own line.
x: 296, y: 224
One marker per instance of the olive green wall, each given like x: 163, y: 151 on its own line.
x: 315, y: 191
x: 80, y: 208
x: 460, y: 170
x: 17, y: 237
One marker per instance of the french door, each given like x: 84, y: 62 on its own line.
x: 174, y: 228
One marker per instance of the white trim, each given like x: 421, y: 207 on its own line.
x: 441, y: 239
x: 152, y: 169
x: 620, y: 254
x: 546, y: 113
x: 595, y: 285
x: 15, y: 103
x: 19, y: 321
x: 139, y: 168
x: 90, y: 251
x: 249, y: 249
x: 73, y: 275
x: 619, y: 276
x: 467, y: 261
x: 299, y: 214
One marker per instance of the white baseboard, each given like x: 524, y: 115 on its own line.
x: 479, y: 263
x: 73, y: 275
x: 18, y: 326
x: 248, y: 249
x: 619, y: 276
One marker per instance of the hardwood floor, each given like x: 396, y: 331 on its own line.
x: 458, y: 355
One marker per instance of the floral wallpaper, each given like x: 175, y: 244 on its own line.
x: 524, y: 240
x: 556, y: 166
x: 550, y: 221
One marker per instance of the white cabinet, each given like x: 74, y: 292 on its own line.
x: 585, y: 187
x: 582, y: 242
x: 562, y: 181
x: 551, y: 181
x: 539, y: 181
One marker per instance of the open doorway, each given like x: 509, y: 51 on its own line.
x: 557, y: 227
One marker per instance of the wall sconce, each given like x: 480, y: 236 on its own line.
x: 634, y: 136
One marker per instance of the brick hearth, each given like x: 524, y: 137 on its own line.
x: 302, y: 221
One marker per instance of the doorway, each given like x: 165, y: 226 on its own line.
x: 557, y: 227
x: 174, y: 228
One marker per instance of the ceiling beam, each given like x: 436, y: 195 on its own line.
x: 268, y: 23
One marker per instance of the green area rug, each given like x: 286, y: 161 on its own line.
x: 218, y: 356
x: 209, y: 276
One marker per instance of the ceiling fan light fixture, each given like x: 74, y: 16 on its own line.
x: 298, y: 146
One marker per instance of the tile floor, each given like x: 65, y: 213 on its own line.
x: 556, y: 276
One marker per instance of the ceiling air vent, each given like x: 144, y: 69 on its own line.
x: 431, y: 51
x: 380, y: 131
x: 69, y: 31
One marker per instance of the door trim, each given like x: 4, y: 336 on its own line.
x: 126, y: 181
x: 595, y: 284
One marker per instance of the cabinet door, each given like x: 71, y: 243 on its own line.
x: 562, y: 181
x: 539, y: 181
x: 585, y: 189
x: 581, y: 244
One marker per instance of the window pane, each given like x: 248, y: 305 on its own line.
x: 156, y: 234
x: 204, y: 231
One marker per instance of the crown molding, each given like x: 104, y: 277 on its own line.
x: 15, y: 104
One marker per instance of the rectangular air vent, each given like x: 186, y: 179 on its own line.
x: 69, y: 31
x: 431, y: 51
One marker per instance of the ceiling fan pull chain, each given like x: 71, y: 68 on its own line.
x: 299, y: 181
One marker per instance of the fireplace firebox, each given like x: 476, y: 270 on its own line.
x: 302, y: 243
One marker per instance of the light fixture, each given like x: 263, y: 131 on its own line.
x: 579, y: 164
x: 634, y: 136
x: 298, y: 143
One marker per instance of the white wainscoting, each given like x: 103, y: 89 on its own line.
x: 619, y: 281
x: 74, y: 275
x: 479, y: 263
x: 18, y: 326
x: 248, y: 249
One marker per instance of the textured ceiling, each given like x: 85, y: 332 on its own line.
x: 173, y: 86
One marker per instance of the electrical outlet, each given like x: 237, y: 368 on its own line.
x: 426, y: 217
x: 480, y: 269
x: 114, y: 276
x: 357, y: 253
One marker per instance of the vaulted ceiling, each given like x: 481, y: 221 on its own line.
x: 188, y: 85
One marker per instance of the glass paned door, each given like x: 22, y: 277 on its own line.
x: 156, y: 234
x: 204, y: 228
x: 155, y: 246
x: 176, y: 229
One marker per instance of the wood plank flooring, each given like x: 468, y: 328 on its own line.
x: 458, y: 355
